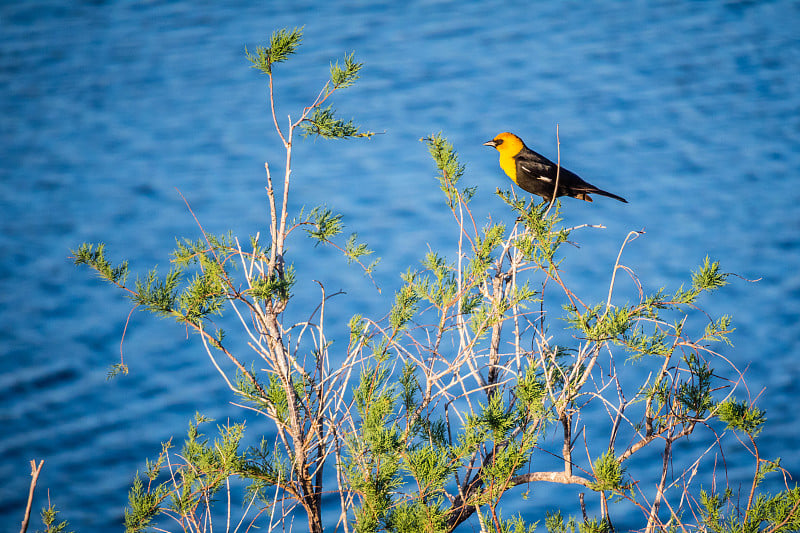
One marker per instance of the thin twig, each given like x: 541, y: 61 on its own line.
x: 35, y: 470
x: 558, y: 174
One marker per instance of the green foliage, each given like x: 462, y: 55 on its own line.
x: 554, y: 522
x: 766, y: 467
x: 116, y: 369
x: 342, y: 78
x: 494, y: 418
x: 325, y: 224
x: 191, y: 485
x: 531, y: 393
x: 437, y: 283
x: 432, y: 465
x: 515, y: 524
x: 203, y: 251
x: 159, y: 296
x: 376, y: 464
x: 266, y: 467
x: 718, y: 330
x: 777, y: 513
x: 276, y: 400
x: 277, y: 286
x: 708, y: 277
x: 410, y: 388
x: 609, y: 473
x: 354, y: 251
x: 143, y: 505
x: 543, y: 238
x: 509, y: 458
x: 418, y: 516
x: 595, y: 525
x: 450, y: 170
x: 373, y: 464
x: 282, y: 44
x: 203, y: 295
x: 215, y: 462
x: 95, y: 258
x: 624, y: 325
x: 405, y: 304
x: 740, y: 416
x: 324, y: 123
x: 484, y: 249
x: 641, y: 344
x: 488, y: 315
x: 358, y: 329
x: 601, y: 323
x: 49, y: 516
x: 712, y: 507
x: 695, y: 395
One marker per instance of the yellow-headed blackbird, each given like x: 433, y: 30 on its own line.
x: 537, y: 174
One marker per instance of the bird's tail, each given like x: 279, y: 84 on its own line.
x: 606, y: 193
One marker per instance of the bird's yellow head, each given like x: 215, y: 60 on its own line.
x: 506, y: 143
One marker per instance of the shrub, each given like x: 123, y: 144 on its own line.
x: 431, y: 415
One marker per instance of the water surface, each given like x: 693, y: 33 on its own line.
x: 689, y: 110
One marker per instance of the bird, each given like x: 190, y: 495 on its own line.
x: 536, y: 174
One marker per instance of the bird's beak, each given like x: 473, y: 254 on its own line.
x: 491, y: 143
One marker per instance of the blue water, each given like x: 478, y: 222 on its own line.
x: 689, y: 110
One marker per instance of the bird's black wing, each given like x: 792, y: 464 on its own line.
x: 538, y: 175
x: 535, y: 173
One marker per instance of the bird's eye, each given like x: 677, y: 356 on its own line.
x: 498, y: 142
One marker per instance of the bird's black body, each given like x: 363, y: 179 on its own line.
x: 537, y: 174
